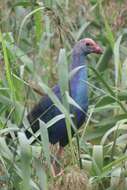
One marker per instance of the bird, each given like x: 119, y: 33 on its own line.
x: 45, y: 109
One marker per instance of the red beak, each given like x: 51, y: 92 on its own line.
x: 98, y: 50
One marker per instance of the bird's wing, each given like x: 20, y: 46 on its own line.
x: 45, y: 109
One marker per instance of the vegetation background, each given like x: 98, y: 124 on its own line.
x: 31, y: 36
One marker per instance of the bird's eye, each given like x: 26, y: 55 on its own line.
x: 87, y: 44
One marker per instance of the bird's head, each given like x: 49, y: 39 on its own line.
x: 87, y: 46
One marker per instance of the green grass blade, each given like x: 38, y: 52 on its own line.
x: 108, y: 29
x: 7, y: 67
x: 98, y: 155
x: 45, y: 142
x: 25, y: 19
x: 59, y: 105
x: 63, y: 76
x: 41, y: 175
x: 118, y: 67
x: 25, y: 156
x: 108, y: 88
x: 38, y: 25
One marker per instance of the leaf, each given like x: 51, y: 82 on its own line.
x: 103, y: 62
x: 45, y: 141
x: 22, y: 3
x: 25, y: 156
x: 20, y: 54
x: 74, y: 71
x: 4, y: 150
x: 57, y: 102
x: 98, y: 155
x: 107, y: 99
x: 108, y: 29
x: 7, y: 67
x: 55, y: 119
x: 117, y: 63
x: 41, y: 175
x: 25, y: 19
x: 117, y: 127
x: 63, y: 76
x: 48, y: 3
x: 106, y: 85
x: 108, y: 168
x: 110, y: 121
x: 48, y: 124
x: 38, y: 25
x: 82, y: 30
x: 7, y: 130
x: 124, y: 74
x: 71, y: 101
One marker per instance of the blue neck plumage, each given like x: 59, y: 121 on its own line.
x: 77, y: 60
x: 79, y: 88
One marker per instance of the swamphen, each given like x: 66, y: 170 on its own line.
x: 45, y: 110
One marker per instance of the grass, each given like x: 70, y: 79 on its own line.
x: 34, y: 37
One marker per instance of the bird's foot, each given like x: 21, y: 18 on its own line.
x: 55, y: 172
x: 56, y: 166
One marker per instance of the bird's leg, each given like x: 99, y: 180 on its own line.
x: 55, y: 167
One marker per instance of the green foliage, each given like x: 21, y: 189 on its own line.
x: 33, y: 34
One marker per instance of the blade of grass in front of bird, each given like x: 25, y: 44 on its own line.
x: 45, y: 142
x: 59, y: 105
x: 63, y: 76
x: 48, y: 124
x: 41, y: 175
x: 86, y: 124
x: 25, y: 156
x: 72, y: 102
